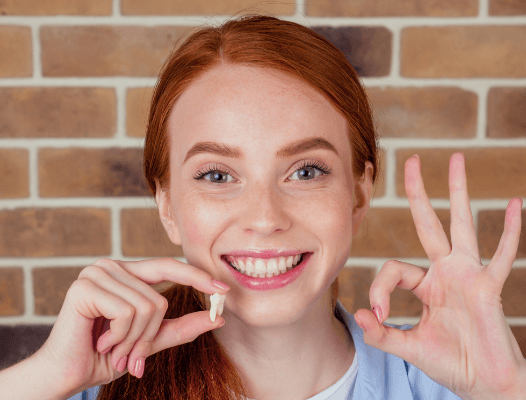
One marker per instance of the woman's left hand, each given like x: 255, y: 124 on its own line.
x: 462, y: 341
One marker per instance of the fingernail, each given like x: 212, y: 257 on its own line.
x: 222, y: 323
x: 122, y: 364
x: 220, y: 285
x: 139, y: 367
x: 106, y: 351
x: 378, y: 312
x: 416, y: 156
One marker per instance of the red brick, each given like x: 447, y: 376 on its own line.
x: 56, y: 7
x: 354, y: 284
x: 513, y: 293
x: 14, y: 176
x: 83, y: 172
x: 431, y: 112
x: 391, y: 232
x: 107, y: 50
x: 203, y: 7
x: 490, y: 228
x: 48, y: 232
x: 143, y: 235
x: 50, y: 286
x: 368, y: 49
x: 496, y: 172
x: 507, y: 7
x: 57, y: 112
x: 506, y: 112
x: 11, y: 292
x: 390, y: 8
x: 16, y: 51
x: 137, y: 109
x: 463, y: 51
x: 520, y: 334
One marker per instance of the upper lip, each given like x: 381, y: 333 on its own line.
x: 264, y: 253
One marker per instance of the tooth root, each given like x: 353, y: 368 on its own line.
x: 213, y: 312
x: 221, y: 304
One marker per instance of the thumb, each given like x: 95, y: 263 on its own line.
x: 385, y: 338
x: 174, y: 332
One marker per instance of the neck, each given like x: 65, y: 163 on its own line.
x: 288, y: 361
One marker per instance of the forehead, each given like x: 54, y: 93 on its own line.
x: 251, y: 107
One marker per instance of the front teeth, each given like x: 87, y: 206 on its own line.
x: 274, y: 266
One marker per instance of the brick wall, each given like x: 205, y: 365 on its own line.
x: 75, y: 81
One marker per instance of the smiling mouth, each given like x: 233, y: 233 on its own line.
x: 258, y: 268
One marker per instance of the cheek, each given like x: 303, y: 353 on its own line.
x: 200, y: 219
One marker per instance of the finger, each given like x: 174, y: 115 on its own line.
x: 174, y: 332
x: 394, y: 274
x: 160, y: 270
x: 463, y: 236
x: 502, y: 261
x: 428, y: 226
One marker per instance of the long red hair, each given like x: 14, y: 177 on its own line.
x: 201, y: 369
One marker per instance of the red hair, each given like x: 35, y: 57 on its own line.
x: 201, y: 369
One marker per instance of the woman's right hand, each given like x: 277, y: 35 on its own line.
x: 79, y: 354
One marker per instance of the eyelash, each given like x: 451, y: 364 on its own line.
x: 306, y: 164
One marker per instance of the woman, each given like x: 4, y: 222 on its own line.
x: 261, y: 155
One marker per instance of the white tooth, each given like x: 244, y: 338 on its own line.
x: 260, y: 267
x: 214, y: 300
x: 221, y: 303
x: 250, y: 265
x: 241, y: 265
x: 282, y: 264
x: 297, y: 258
x: 289, y: 262
x: 272, y: 267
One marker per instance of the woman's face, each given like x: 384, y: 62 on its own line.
x: 255, y: 198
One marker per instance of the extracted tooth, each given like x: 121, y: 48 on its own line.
x: 217, y: 301
x: 221, y: 304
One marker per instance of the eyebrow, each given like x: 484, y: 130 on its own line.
x: 294, y: 148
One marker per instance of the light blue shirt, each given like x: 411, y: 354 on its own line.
x: 380, y: 375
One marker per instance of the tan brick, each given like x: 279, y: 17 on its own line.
x: 49, y: 232
x: 83, y: 172
x: 16, y: 51
x: 464, y: 51
x: 389, y: 8
x: 204, y: 7
x: 507, y: 7
x: 143, y: 235
x: 50, y: 286
x: 11, y: 291
x: 137, y: 109
x: 506, y: 112
x: 354, y: 284
x: 431, y: 112
x: 496, y: 172
x: 107, y: 50
x: 14, y: 175
x: 490, y: 228
x: 368, y: 49
x: 391, y: 232
x: 520, y: 334
x: 55, y: 7
x: 57, y: 112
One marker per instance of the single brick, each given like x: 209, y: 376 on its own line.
x: 11, y: 292
x: 56, y: 7
x: 57, y: 112
x: 107, y: 50
x: 490, y: 228
x: 14, y: 175
x: 507, y: 7
x: 463, y: 51
x: 50, y: 286
x: 84, y: 172
x: 391, y: 232
x: 368, y: 49
x: 203, y: 7
x: 20, y: 341
x: 55, y: 232
x: 390, y: 8
x: 520, y: 334
x: 354, y: 284
x: 16, y: 50
x: 506, y: 112
x: 137, y: 109
x: 496, y: 172
x: 430, y: 112
x: 143, y: 235
x: 513, y: 293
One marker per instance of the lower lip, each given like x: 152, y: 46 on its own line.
x: 274, y: 282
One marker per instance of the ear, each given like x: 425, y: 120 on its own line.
x: 363, y: 188
x: 162, y: 198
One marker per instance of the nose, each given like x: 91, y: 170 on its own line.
x: 263, y: 211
